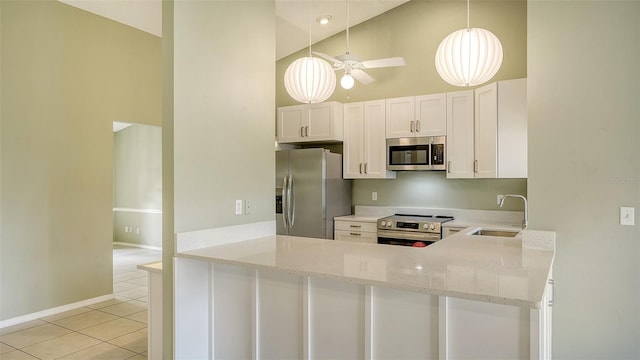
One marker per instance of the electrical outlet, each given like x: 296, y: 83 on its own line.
x: 239, y: 207
x: 374, y: 195
x: 247, y: 207
x: 627, y: 215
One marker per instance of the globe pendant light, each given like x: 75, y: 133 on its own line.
x: 469, y: 57
x: 310, y: 80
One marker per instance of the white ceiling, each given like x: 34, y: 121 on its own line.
x: 292, y: 17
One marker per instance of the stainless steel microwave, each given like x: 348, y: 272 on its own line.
x: 419, y: 153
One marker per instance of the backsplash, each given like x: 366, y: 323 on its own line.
x: 432, y: 189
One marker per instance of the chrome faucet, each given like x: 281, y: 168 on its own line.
x: 525, y: 221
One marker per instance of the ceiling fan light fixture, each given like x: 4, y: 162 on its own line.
x: 310, y: 80
x: 324, y: 19
x: 347, y: 81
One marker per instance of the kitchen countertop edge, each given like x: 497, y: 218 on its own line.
x: 209, y: 254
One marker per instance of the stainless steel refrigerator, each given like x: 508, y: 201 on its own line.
x: 310, y: 192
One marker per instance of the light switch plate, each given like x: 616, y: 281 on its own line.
x: 239, y: 207
x: 374, y: 195
x: 627, y: 215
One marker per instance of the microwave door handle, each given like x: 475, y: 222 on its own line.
x: 292, y: 202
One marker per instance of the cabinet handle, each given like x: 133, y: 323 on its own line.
x: 360, y: 168
x: 355, y: 234
x: 412, y: 126
x: 301, y: 131
x: 365, y: 168
x: 552, y: 282
x: 475, y: 166
x: 417, y: 125
x: 355, y: 226
x: 449, y: 167
x: 306, y: 131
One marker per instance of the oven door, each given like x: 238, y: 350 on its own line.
x: 406, y: 238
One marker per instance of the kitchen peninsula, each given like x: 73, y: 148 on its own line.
x: 301, y: 298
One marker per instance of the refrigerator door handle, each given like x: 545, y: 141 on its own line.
x: 285, y: 210
x: 292, y: 202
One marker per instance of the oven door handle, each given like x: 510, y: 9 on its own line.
x: 405, y: 235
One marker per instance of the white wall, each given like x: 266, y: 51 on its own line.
x: 584, y: 148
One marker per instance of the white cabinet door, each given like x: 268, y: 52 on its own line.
x: 364, y: 148
x: 353, y: 146
x: 486, y: 131
x: 320, y: 122
x: 460, y: 135
x: 431, y: 115
x: 315, y: 122
x: 375, y: 147
x: 400, y: 119
x: 290, y: 122
x: 512, y: 128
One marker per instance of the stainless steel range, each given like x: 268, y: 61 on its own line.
x: 411, y: 230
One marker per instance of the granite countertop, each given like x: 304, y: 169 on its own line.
x: 151, y: 267
x: 358, y: 218
x: 483, y: 268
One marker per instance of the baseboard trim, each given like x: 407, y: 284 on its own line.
x: 137, y: 245
x: 54, y: 311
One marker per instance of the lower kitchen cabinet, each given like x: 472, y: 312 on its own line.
x: 357, y: 231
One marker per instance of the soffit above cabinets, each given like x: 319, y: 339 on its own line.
x: 292, y: 17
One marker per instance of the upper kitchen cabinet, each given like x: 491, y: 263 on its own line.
x: 364, y: 147
x: 487, y: 131
x: 310, y: 122
x: 501, y: 130
x: 460, y: 153
x: 416, y: 116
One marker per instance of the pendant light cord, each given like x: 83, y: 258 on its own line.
x: 347, y: 26
x: 309, y: 17
x: 468, y: 14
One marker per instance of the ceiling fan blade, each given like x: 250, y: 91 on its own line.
x: 362, y: 76
x: 388, y: 62
x: 328, y: 57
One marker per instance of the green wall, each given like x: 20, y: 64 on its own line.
x: 137, y: 158
x: 66, y: 76
x: 584, y: 89
x: 414, y: 31
x: 218, y: 141
x: 433, y: 189
x: 224, y: 106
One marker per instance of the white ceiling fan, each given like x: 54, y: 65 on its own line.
x: 353, y: 66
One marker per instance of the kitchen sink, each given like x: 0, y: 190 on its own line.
x: 502, y: 233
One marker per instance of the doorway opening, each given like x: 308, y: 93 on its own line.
x: 137, y: 185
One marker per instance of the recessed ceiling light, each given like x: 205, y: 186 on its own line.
x: 324, y: 20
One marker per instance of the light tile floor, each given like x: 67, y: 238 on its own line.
x: 114, y: 329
